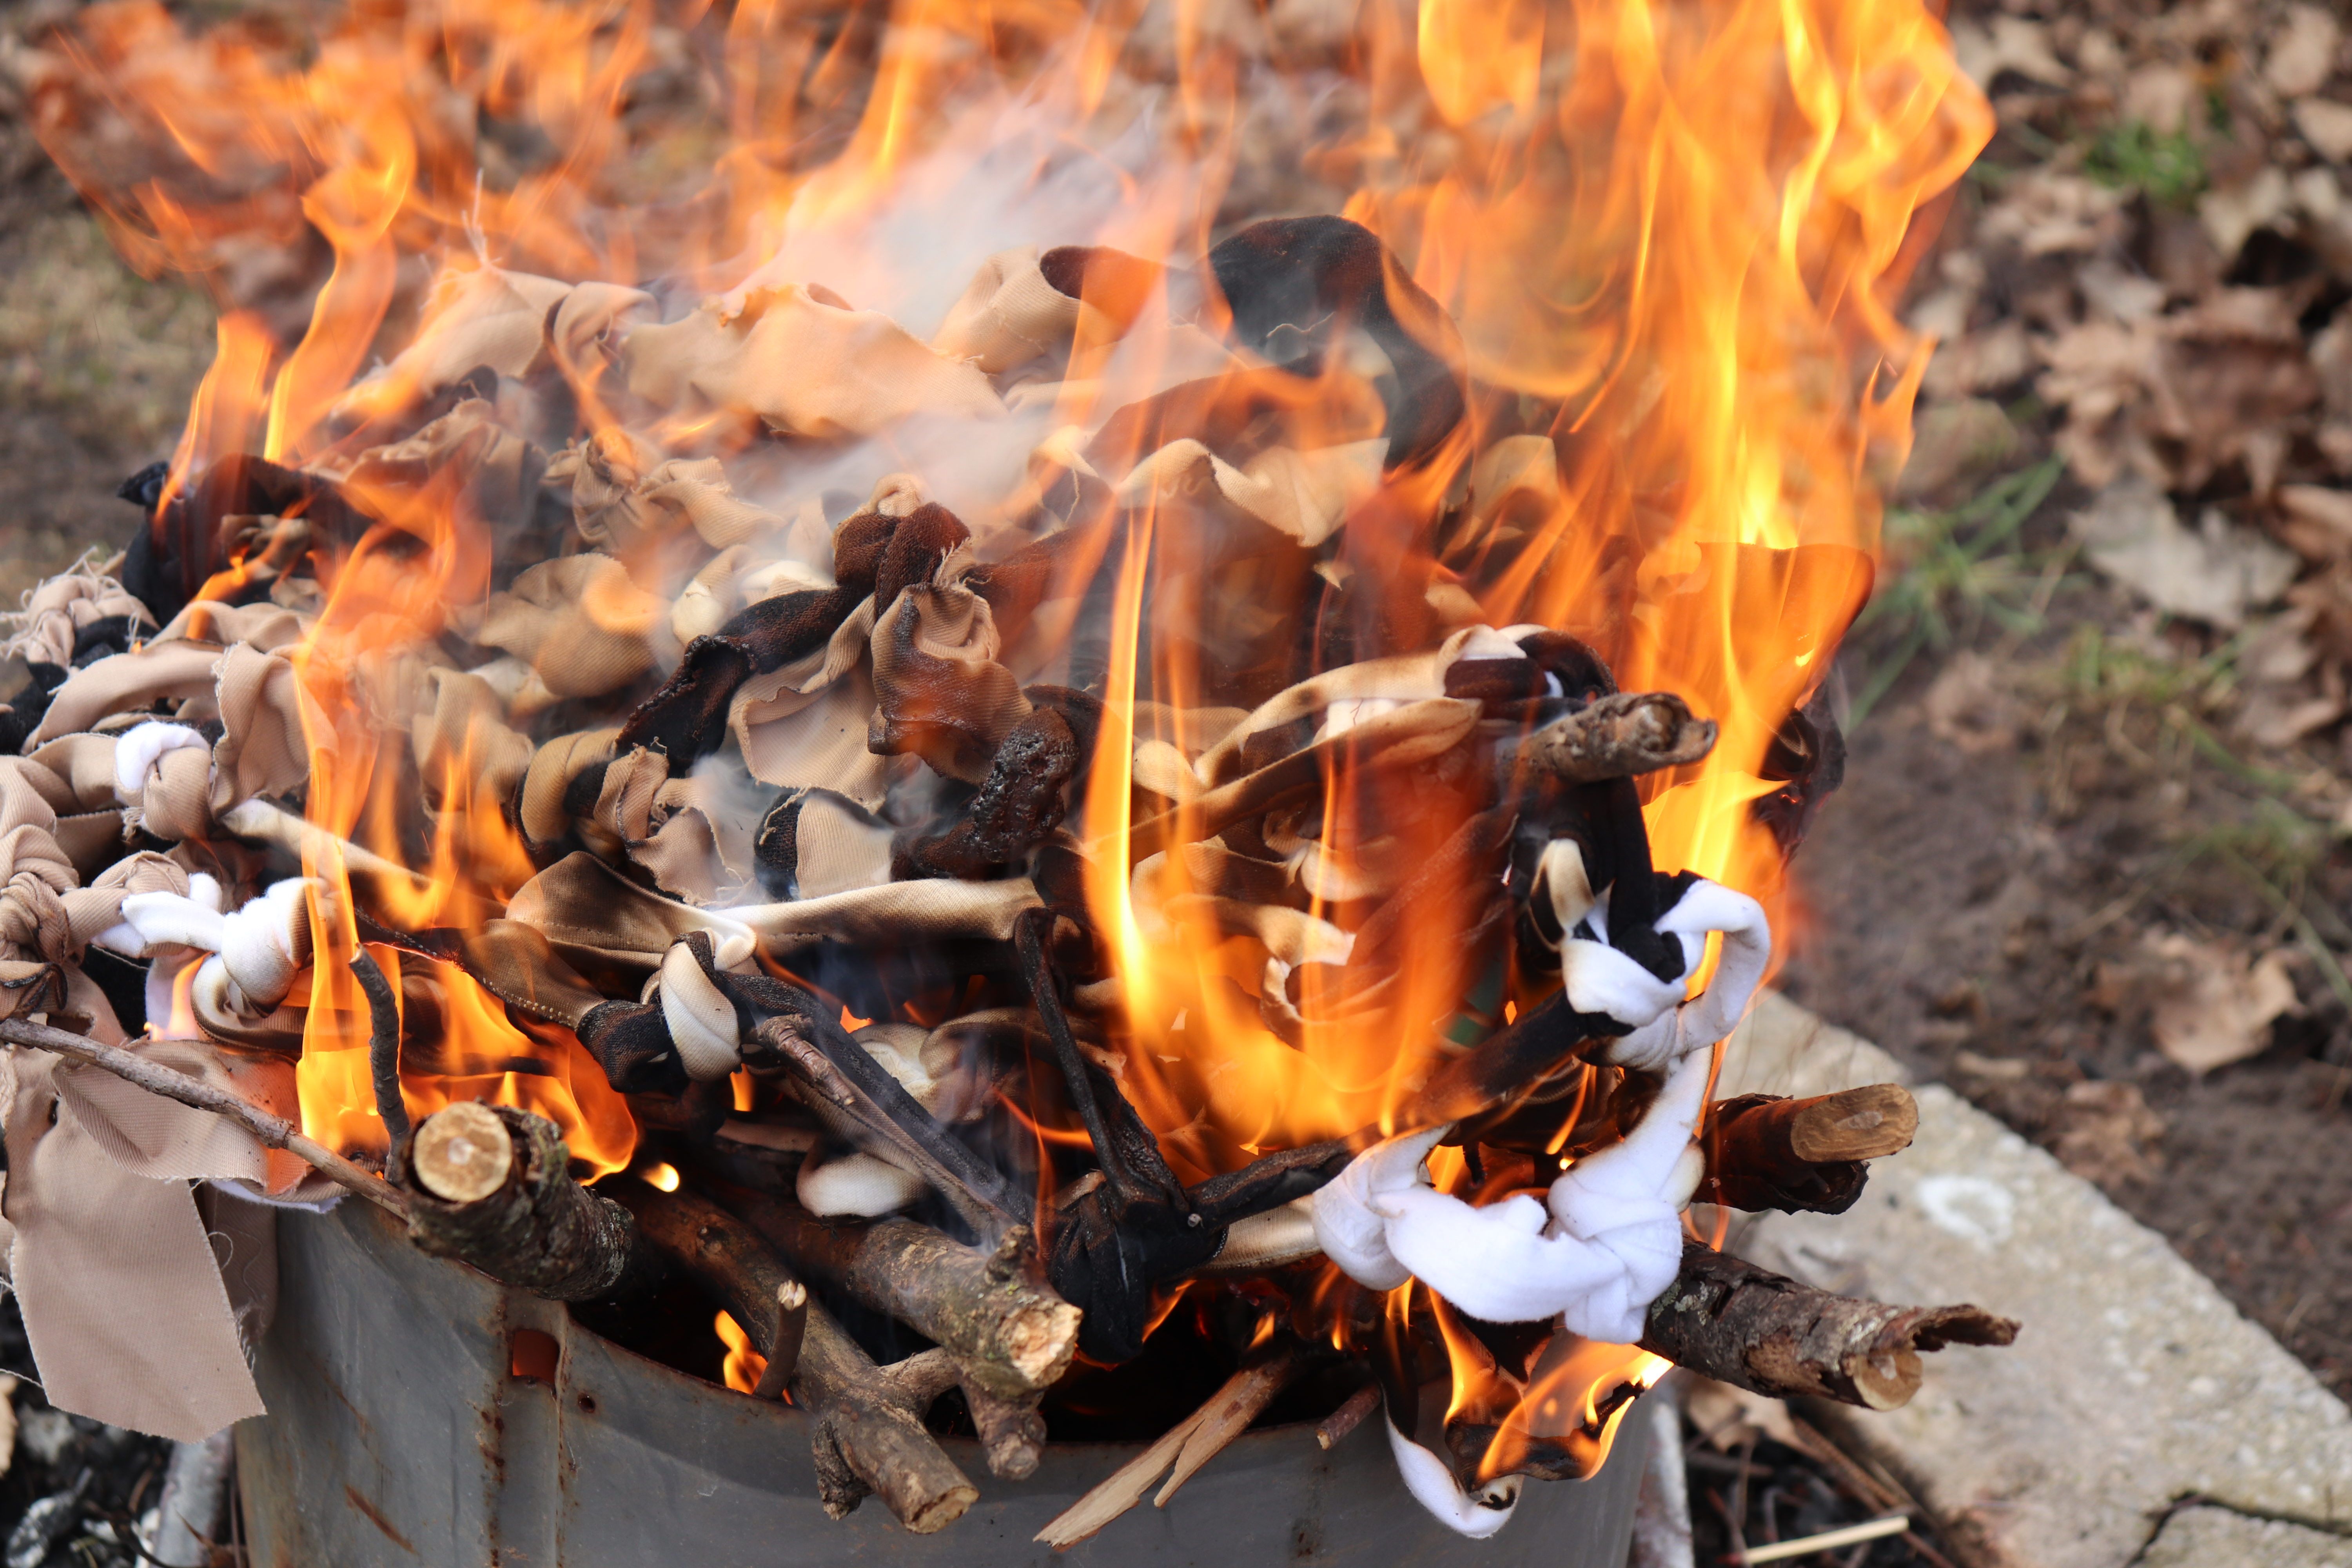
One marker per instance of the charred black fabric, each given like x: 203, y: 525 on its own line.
x: 29, y: 705
x: 1305, y: 272
x: 631, y: 1042
x: 1808, y: 756
x: 1023, y: 800
x: 181, y: 547
x: 686, y: 719
x: 1112, y: 281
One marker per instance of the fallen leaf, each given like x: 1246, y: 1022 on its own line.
x: 2106, y: 1132
x: 2009, y: 42
x: 2001, y: 355
x: 2214, y: 575
x: 2160, y: 96
x: 2328, y: 126
x: 2230, y: 214
x: 1725, y: 1415
x: 2212, y: 1005
x: 1973, y: 707
x: 1952, y: 440
x: 2045, y: 213
x: 2118, y: 295
x: 2317, y: 521
x: 2302, y: 53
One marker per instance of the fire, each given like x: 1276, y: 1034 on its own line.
x: 1665, y: 239
x: 744, y: 1366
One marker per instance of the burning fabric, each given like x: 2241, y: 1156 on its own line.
x: 961, y: 743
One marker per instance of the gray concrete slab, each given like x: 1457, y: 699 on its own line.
x: 2134, y: 1384
x: 2216, y: 1538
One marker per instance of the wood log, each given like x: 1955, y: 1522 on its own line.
x: 1349, y: 1417
x: 273, y: 1131
x: 867, y: 1436
x: 1013, y: 1335
x: 492, y: 1187
x: 1620, y: 735
x: 1764, y: 1151
x: 1011, y: 1429
x: 1729, y: 1319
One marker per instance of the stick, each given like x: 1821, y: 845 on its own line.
x: 383, y: 1055
x: 258, y: 818
x: 1015, y: 1336
x: 784, y: 1338
x: 494, y: 1189
x: 1746, y: 1326
x: 1349, y: 1417
x: 1012, y: 1430
x: 866, y: 1437
x: 1767, y: 1152
x: 1827, y: 1540
x: 273, y: 1131
x: 1187, y: 1446
x: 1618, y: 736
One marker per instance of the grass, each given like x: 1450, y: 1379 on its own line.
x: 2168, y: 167
x: 1954, y: 570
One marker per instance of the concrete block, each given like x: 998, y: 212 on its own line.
x: 2133, y: 1383
x: 2216, y: 1538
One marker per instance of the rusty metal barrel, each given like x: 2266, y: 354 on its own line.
x: 406, y: 1427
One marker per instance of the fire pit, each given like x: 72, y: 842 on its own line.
x: 593, y: 1456
x: 1012, y: 771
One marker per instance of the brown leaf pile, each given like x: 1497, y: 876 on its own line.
x: 2159, y: 253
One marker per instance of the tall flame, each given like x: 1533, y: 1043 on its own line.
x: 1669, y: 232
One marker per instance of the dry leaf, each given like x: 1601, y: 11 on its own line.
x: 2328, y: 126
x: 1725, y: 1415
x: 2303, y: 55
x: 2317, y: 521
x: 2106, y: 1133
x: 1998, y: 356
x: 2009, y: 43
x: 2212, y: 1005
x: 1971, y: 706
x: 2215, y: 574
x: 1950, y: 441
x: 2161, y: 97
x: 2231, y: 212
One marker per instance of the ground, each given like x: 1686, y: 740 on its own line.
x: 2087, y: 864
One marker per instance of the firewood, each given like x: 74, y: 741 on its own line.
x: 273, y: 1131
x: 1349, y: 1417
x: 1738, y: 1323
x: 867, y: 1437
x: 383, y: 1055
x: 1767, y: 1152
x: 1183, y: 1449
x: 493, y: 1188
x: 787, y: 1330
x: 1618, y: 736
x: 1011, y: 1429
x: 1016, y: 1336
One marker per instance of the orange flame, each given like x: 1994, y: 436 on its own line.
x: 1670, y: 236
x: 744, y: 1366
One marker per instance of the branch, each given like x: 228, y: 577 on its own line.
x: 273, y: 1131
x: 1746, y: 1326
x: 1618, y: 736
x: 1767, y: 1152
x: 1016, y: 1336
x: 493, y: 1188
x: 866, y: 1440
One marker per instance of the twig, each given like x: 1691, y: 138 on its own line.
x: 1349, y: 1417
x: 383, y: 1055
x: 1186, y: 1447
x: 273, y: 1131
x: 1827, y: 1540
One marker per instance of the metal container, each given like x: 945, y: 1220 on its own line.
x: 401, y: 1433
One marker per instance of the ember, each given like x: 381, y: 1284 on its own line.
x: 824, y: 664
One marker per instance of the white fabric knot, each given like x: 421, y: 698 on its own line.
x: 257, y: 949
x: 702, y: 1019
x: 139, y: 749
x: 1598, y: 978
x: 1476, y: 1514
x: 856, y: 1183
x: 1591, y: 1256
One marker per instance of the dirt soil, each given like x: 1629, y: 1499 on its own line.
x: 1985, y: 898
